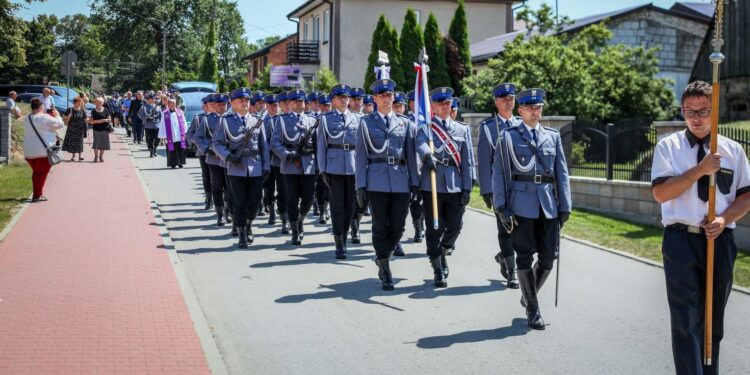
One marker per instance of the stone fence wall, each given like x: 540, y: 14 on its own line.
x: 632, y: 201
x: 5, y: 133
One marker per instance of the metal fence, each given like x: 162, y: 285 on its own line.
x: 620, y: 151
x: 741, y: 136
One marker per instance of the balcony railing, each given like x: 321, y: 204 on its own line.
x: 302, y: 53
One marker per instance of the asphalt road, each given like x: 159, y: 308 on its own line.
x: 279, y: 309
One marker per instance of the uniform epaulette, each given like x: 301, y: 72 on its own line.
x: 461, y: 122
x: 486, y: 121
x: 404, y: 116
x: 552, y: 129
x: 514, y: 128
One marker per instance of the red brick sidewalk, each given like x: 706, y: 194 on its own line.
x: 85, y: 284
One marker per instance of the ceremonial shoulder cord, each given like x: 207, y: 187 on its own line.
x: 366, y: 133
x: 521, y: 167
x: 241, y: 137
x: 328, y: 133
x: 296, y: 136
x: 489, y: 136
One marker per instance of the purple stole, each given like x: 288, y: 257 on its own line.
x: 168, y: 122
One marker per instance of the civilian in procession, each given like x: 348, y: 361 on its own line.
x: 172, y: 128
x: 44, y: 125
x: 76, y: 119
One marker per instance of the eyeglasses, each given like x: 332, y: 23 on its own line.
x: 696, y: 114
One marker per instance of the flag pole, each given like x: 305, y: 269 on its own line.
x: 421, y: 93
x: 716, y: 59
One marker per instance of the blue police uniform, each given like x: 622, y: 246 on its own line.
x: 297, y: 163
x: 416, y: 209
x: 150, y: 117
x: 452, y: 165
x: 489, y: 129
x: 274, y: 189
x: 322, y: 194
x: 240, y: 142
x: 202, y: 139
x: 336, y: 150
x: 530, y: 185
x: 386, y: 173
x: 200, y: 152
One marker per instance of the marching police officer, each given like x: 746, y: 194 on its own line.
x: 239, y: 140
x: 337, y: 137
x: 680, y: 176
x: 452, y: 165
x: 203, y: 138
x: 275, y: 180
x: 294, y: 142
x: 356, y: 102
x: 324, y: 103
x: 399, y: 103
x: 416, y: 209
x: 199, y: 151
x: 322, y: 193
x: 531, y: 191
x: 259, y: 99
x: 386, y: 173
x: 489, y: 129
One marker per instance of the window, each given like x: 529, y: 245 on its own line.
x: 325, y: 26
x: 304, y: 33
x: 316, y: 28
x: 419, y: 16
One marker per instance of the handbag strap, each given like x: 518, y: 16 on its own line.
x: 37, y: 133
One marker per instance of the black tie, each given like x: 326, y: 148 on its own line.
x: 343, y: 119
x: 703, y: 181
x: 507, y: 124
x: 444, y: 125
x: 533, y: 135
x: 244, y: 122
x: 387, y: 123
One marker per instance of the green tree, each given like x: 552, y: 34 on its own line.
x: 263, y: 81
x: 233, y: 85
x: 459, y: 33
x: 243, y: 82
x: 372, y: 59
x: 392, y: 47
x: 209, y: 65
x: 325, y: 80
x: 41, y: 53
x: 222, y: 85
x: 411, y: 44
x: 438, y: 75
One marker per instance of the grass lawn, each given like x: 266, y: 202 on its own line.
x: 638, y: 239
x: 15, y: 179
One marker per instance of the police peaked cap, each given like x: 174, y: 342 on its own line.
x: 367, y: 99
x: 296, y: 95
x: 357, y: 92
x: 344, y: 90
x: 531, y: 97
x: 242, y: 92
x: 441, y: 94
x: 504, y: 89
x: 382, y: 85
x: 271, y: 99
x: 399, y: 97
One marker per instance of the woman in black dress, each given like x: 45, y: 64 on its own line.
x: 76, y: 119
x: 99, y: 122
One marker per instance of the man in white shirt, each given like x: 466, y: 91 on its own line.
x: 679, y: 180
x: 46, y: 99
x: 12, y: 106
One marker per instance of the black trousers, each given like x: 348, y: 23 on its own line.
x: 176, y: 157
x: 137, y: 129
x: 152, y: 138
x: 504, y: 239
x: 275, y: 182
x: 342, y: 208
x: 685, y: 273
x: 450, y: 213
x: 389, y: 212
x: 300, y: 189
x: 219, y: 186
x: 246, y: 195
x: 416, y: 210
x: 205, y: 174
x: 322, y: 194
x: 540, y: 236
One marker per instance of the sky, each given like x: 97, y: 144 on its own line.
x: 264, y: 18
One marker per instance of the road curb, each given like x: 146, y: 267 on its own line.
x: 616, y: 252
x: 13, y: 220
x: 208, y: 343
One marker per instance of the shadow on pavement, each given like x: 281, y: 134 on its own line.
x: 518, y: 327
x: 493, y: 286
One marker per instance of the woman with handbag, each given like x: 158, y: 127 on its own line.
x: 40, y: 137
x: 100, y: 123
x: 76, y: 120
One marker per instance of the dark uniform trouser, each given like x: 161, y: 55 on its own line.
x: 152, y: 139
x: 342, y: 208
x: 504, y: 239
x: 275, y: 181
x: 539, y: 236
x: 685, y: 273
x: 137, y: 129
x: 205, y: 174
x: 450, y: 213
x: 389, y: 212
x: 246, y: 195
x: 176, y: 156
x: 300, y: 189
x: 322, y: 194
x: 219, y: 187
x: 415, y: 209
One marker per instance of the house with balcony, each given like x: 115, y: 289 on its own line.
x: 337, y: 33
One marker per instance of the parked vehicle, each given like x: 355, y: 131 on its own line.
x: 190, y: 95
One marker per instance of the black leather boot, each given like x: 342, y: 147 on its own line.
x: 315, y: 207
x: 234, y: 232
x: 398, y: 251
x: 220, y: 215
x: 355, y: 229
x: 528, y: 289
x: 540, y: 275
x: 342, y: 238
x: 437, y: 270
x: 209, y: 201
x: 384, y: 273
x: 227, y: 215
x: 301, y: 229
x: 243, y: 238
x: 418, y: 230
x: 444, y: 261
x: 340, y: 252
x: 284, y: 223
x: 295, y: 234
x: 271, y: 214
x: 322, y: 213
x: 510, y: 263
x: 261, y: 212
x: 249, y: 231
